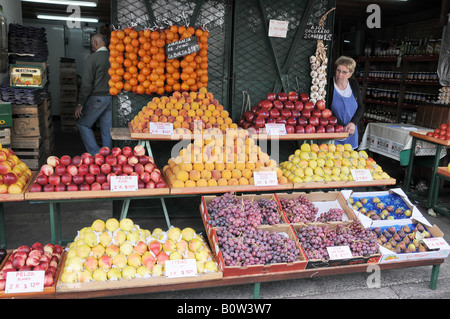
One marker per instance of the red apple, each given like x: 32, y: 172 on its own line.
x: 65, y: 160
x: 320, y: 105
x: 310, y: 129
x: 298, y: 105
x: 339, y: 129
x: 304, y: 97
x: 295, y: 113
x: 286, y: 113
x: 266, y: 104
x: 49, y: 188
x: 260, y: 122
x: 271, y: 96
x: 323, y: 121
x: 274, y: 113
x: 264, y: 113
x: 161, y: 184
x: 320, y: 129
x: 290, y: 129
x: 282, y: 96
x: 313, y: 120
x: 292, y: 121
x: 327, y: 113
x: 289, y: 105
x: 293, y: 96
x: 302, y: 121
x: 308, y: 106
x: 150, y: 184
x: 299, y: 129
x: 329, y: 128
x: 281, y: 120
x: 306, y: 113
x: 248, y: 116
x: 278, y: 105
x: 332, y: 120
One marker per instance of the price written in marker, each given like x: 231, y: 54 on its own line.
x: 265, y: 178
x: 161, y: 128
x: 24, y: 281
x: 124, y: 184
x: 275, y: 129
x: 339, y: 252
x: 180, y: 268
x: 436, y: 243
x: 361, y: 175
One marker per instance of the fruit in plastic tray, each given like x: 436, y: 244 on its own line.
x: 389, y: 207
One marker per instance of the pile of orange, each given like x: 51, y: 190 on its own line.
x: 188, y: 111
x: 139, y: 63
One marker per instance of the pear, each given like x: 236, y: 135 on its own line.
x: 105, y: 239
x: 90, y: 238
x: 112, y: 224
x: 174, y: 234
x: 114, y: 273
x: 211, y: 266
x: 157, y: 270
x: 188, y: 233
x: 200, y: 267
x: 129, y: 272
x: 98, y: 225
x: 99, y: 275
x: 143, y: 272
x: 126, y: 224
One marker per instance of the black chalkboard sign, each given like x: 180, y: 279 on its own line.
x: 318, y: 33
x: 181, y: 48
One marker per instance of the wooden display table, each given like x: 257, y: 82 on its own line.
x: 440, y: 145
x: 444, y: 208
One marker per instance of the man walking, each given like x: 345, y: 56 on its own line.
x: 94, y: 101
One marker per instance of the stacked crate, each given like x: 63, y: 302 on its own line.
x: 69, y: 95
x: 5, y: 125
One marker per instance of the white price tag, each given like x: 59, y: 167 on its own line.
x: 161, y: 128
x: 124, y: 183
x: 278, y: 28
x: 24, y: 281
x: 275, y: 129
x: 339, y: 252
x: 436, y: 243
x: 265, y: 178
x: 361, y: 175
x: 180, y: 268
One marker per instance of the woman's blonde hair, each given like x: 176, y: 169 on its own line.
x: 347, y: 62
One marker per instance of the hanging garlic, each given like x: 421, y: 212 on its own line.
x: 314, y: 74
x: 312, y: 59
x: 314, y: 66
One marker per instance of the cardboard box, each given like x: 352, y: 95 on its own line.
x: 402, y: 201
x: 388, y: 255
x: 323, y: 201
x: 28, y: 75
x: 229, y: 271
x: 5, y: 115
x: 318, y: 263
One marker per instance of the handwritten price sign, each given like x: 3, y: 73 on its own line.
x: 361, y: 175
x: 265, y: 178
x: 124, y: 183
x: 275, y: 129
x: 24, y: 281
x: 161, y: 128
x: 339, y: 252
x: 180, y: 268
x: 436, y: 243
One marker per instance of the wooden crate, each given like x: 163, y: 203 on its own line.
x: 69, y: 93
x: 5, y: 137
x: 68, y: 79
x: 30, y: 150
x: 48, y: 134
x: 28, y: 120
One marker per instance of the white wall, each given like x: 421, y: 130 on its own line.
x: 12, y: 10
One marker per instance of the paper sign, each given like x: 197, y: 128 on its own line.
x: 124, y: 183
x: 278, y: 28
x: 180, y: 268
x: 24, y: 281
x: 162, y: 128
x: 361, y: 175
x: 275, y: 129
x: 265, y: 178
x: 436, y: 243
x: 339, y: 252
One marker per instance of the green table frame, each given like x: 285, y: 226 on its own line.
x: 444, y: 208
x: 434, y: 187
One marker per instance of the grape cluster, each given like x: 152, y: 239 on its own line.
x: 332, y: 215
x: 299, y: 210
x: 248, y: 245
x: 315, y: 239
x: 228, y: 210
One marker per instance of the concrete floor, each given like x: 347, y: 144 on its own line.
x: 26, y: 223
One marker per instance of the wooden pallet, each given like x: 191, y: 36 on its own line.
x: 5, y: 137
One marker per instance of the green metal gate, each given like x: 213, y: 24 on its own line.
x: 241, y: 56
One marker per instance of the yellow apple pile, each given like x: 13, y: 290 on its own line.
x: 329, y: 163
x: 184, y: 109
x: 117, y: 250
x: 219, y: 160
x: 14, y: 174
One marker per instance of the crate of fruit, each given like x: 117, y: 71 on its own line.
x: 379, y: 207
x: 337, y: 244
x: 412, y: 241
x: 242, y: 244
x: 314, y: 207
x: 24, y: 263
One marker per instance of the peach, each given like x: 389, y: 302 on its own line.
x: 105, y: 262
x: 46, y: 169
x: 139, y: 150
x: 53, y: 161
